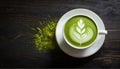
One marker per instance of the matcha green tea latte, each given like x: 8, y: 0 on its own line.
x: 80, y: 31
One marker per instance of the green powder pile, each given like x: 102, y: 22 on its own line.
x: 44, y: 38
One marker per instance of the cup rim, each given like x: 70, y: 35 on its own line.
x: 89, y: 16
x: 74, y: 45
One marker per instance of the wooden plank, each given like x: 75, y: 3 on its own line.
x: 18, y: 17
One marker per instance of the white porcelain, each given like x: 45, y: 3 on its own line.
x: 80, y: 53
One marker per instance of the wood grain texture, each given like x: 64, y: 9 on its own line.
x: 17, y: 17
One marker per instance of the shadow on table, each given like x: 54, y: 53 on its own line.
x: 61, y: 60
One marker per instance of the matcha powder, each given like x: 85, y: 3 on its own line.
x: 44, y: 38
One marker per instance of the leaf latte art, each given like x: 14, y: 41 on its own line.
x: 80, y: 33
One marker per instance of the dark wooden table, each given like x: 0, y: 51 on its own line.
x: 17, y: 17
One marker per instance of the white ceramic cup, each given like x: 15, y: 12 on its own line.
x: 85, y: 12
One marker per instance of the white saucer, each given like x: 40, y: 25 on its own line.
x: 79, y: 53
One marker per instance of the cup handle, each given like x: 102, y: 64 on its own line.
x: 103, y: 32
